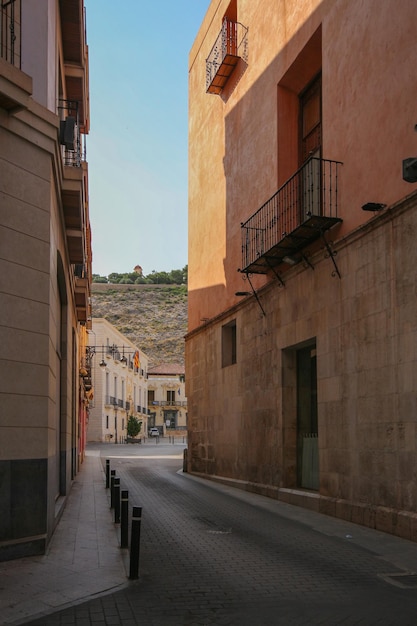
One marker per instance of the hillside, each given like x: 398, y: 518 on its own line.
x: 154, y: 317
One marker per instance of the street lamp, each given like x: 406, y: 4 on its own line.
x: 111, y: 351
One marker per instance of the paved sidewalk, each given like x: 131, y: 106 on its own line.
x: 83, y: 559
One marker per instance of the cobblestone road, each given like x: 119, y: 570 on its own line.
x: 209, y: 557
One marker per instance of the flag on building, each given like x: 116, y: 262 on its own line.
x: 136, y: 361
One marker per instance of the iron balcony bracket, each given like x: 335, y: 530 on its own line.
x: 330, y: 254
x: 256, y: 295
x: 307, y: 261
x: 278, y: 277
x: 246, y: 293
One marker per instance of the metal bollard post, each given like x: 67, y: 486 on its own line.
x: 124, y: 519
x: 112, y: 477
x: 107, y: 473
x: 135, y: 542
x: 117, y: 500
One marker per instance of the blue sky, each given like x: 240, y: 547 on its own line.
x: 137, y: 145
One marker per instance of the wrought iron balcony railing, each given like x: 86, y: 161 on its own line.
x: 230, y: 46
x: 168, y: 403
x: 10, y: 31
x: 73, y: 142
x: 296, y: 215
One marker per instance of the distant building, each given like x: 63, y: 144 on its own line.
x: 301, y: 352
x: 45, y: 244
x: 138, y: 270
x: 167, y: 403
x: 119, y: 383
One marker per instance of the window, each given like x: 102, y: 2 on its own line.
x: 299, y: 110
x: 171, y: 397
x: 229, y: 344
x: 151, y: 396
x: 107, y: 421
x: 310, y: 121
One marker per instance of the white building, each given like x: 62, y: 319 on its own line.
x: 167, y: 403
x: 119, y: 384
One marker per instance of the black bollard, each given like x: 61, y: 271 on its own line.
x: 135, y: 542
x: 107, y: 473
x: 124, y: 519
x: 112, y: 477
x: 117, y: 500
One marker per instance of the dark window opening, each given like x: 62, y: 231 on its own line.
x: 229, y: 344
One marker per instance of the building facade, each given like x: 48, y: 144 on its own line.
x: 167, y: 403
x: 119, y: 383
x: 302, y: 343
x: 45, y: 264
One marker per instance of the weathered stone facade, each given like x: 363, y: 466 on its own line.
x: 316, y: 405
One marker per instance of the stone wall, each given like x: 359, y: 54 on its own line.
x: 243, y: 418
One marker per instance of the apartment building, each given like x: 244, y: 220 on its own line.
x: 119, y: 384
x: 302, y: 342
x: 167, y: 403
x: 45, y: 261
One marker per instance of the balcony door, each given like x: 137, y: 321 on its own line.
x: 310, y: 149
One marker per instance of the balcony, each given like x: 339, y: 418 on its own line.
x: 10, y: 32
x: 298, y: 214
x: 15, y: 86
x: 231, y: 45
x: 73, y: 204
x: 82, y: 293
x: 168, y: 403
x: 73, y: 142
x: 75, y: 53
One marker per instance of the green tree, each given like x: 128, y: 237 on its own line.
x: 177, y: 277
x: 134, y: 426
x: 99, y: 279
x: 114, y: 277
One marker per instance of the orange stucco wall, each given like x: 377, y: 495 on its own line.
x: 360, y: 321
x: 238, y: 154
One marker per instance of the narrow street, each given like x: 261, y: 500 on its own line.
x: 214, y: 555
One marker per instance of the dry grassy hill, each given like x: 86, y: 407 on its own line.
x: 154, y: 317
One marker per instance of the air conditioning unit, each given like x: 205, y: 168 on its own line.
x: 67, y: 132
